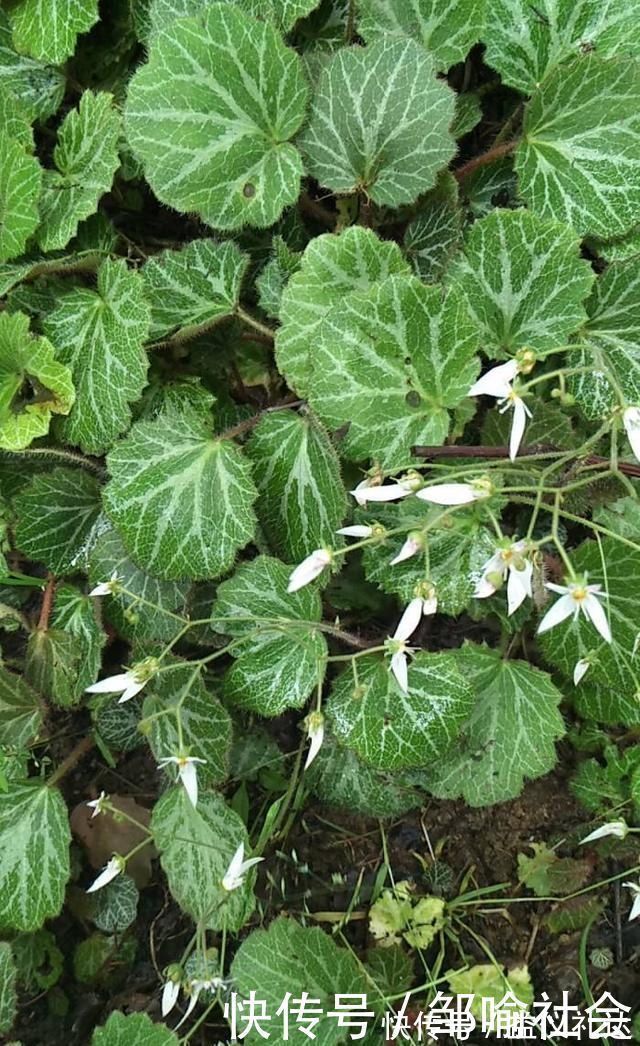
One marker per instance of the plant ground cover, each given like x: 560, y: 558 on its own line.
x: 319, y: 519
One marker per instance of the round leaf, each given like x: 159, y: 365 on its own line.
x: 448, y: 29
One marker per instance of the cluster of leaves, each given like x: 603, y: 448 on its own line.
x: 254, y: 254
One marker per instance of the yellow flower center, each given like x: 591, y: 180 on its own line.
x: 579, y: 594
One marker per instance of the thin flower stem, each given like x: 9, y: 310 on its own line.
x: 589, y: 523
x: 119, y: 814
x: 495, y: 153
x: 68, y: 764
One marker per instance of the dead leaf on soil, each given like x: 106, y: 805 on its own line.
x: 104, y: 835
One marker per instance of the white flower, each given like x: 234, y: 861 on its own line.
x: 405, y: 486
x: 577, y: 596
x: 618, y: 828
x: 238, y: 868
x: 360, y: 491
x: 309, y: 569
x: 507, y: 560
x: 315, y: 731
x: 397, y: 644
x: 580, y: 668
x: 631, y: 421
x: 520, y: 414
x: 107, y: 588
x: 113, y: 868
x: 455, y: 493
x: 195, y: 987
x: 170, y: 993
x: 187, y: 772
x: 358, y: 530
x: 635, y: 907
x: 97, y: 805
x: 127, y: 683
x: 413, y: 545
x: 496, y: 382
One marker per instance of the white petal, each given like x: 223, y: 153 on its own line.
x: 518, y: 424
x: 429, y: 606
x: 358, y: 530
x: 170, y: 994
x: 309, y: 569
x: 189, y: 777
x: 560, y: 611
x: 316, y: 740
x: 112, y: 685
x: 580, y: 669
x: 249, y: 863
x: 103, y: 589
x: 234, y: 869
x: 560, y: 589
x: 519, y: 586
x: 190, y: 1008
x: 360, y: 491
x: 484, y: 589
x: 409, y: 549
x: 131, y: 691
x: 387, y: 492
x: 496, y: 382
x: 399, y: 669
x: 410, y: 619
x: 631, y: 420
x: 617, y: 828
x: 594, y: 611
x: 109, y: 872
x: 449, y: 494
x: 635, y: 907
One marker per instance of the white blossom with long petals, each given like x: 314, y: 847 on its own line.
x: 314, y: 724
x: 577, y: 596
x: 309, y: 569
x: 418, y: 607
x: 455, y: 493
x: 619, y: 829
x: 128, y: 683
x: 107, y: 588
x: 195, y: 988
x: 356, y: 530
x: 631, y: 422
x: 238, y: 868
x: 580, y: 669
x: 187, y: 772
x: 97, y: 805
x: 508, y: 561
x: 386, y: 492
x: 413, y: 544
x: 496, y: 382
x: 635, y: 893
x: 112, y: 868
x: 170, y: 993
x: 518, y: 424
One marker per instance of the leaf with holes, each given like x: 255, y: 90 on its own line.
x: 331, y: 268
x: 302, y: 500
x: 180, y: 498
x: 448, y: 29
x: 213, y: 132
x: 86, y: 159
x: 196, y: 846
x: 205, y: 725
x: 379, y: 123
x: 39, y: 87
x: 20, y: 712
x: 526, y: 41
x: 523, y: 280
x: 56, y: 513
x: 390, y: 364
x: 20, y: 182
x: 34, y: 854
x: 609, y: 341
x: 192, y: 289
x: 146, y: 609
x: 47, y: 29
x: 391, y: 730
x: 510, y: 735
x: 33, y: 384
x: 579, y: 158
x: 280, y: 656
x: 99, y: 335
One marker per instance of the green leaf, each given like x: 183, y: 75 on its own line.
x: 135, y: 1029
x: 52, y: 666
x: 273, y: 279
x: 39, y: 87
x: 282, y: 657
x: 612, y: 665
x: 33, y: 385
x: 523, y: 280
x: 510, y: 735
x: 448, y: 29
x: 180, y: 498
x: 192, y: 289
x: 214, y: 135
x: 47, y: 29
x: 196, y: 846
x: 302, y: 500
x: 389, y: 363
x: 434, y: 235
x: 20, y: 182
x: 14, y: 119
x: 338, y: 777
x: 601, y: 703
x: 77, y: 615
x: 56, y: 512
x: 20, y: 712
x: 205, y: 725
x: 292, y: 958
x: 116, y: 905
x: 609, y: 341
x: 578, y: 161
x: 147, y: 612
x: 86, y: 159
x: 380, y: 123
x: 525, y: 41
x: 331, y: 268
x: 283, y: 13
x: 99, y: 335
x: 389, y: 729
x: 8, y: 995
x: 34, y: 854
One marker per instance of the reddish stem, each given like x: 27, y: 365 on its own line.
x: 495, y: 153
x: 47, y: 603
